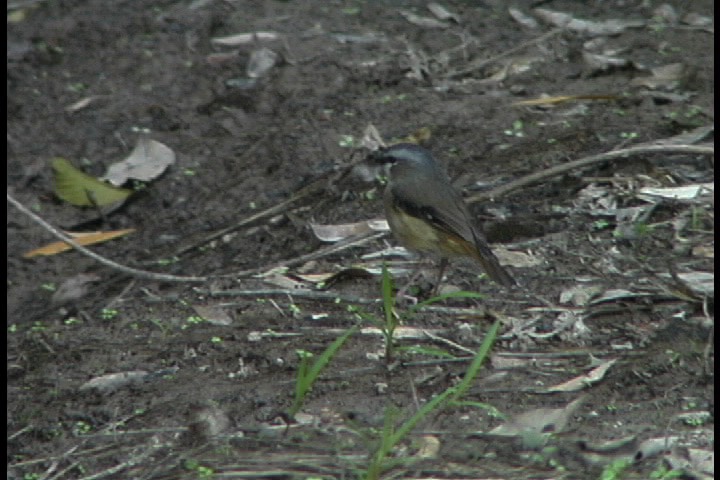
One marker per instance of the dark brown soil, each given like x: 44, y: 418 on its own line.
x: 209, y: 396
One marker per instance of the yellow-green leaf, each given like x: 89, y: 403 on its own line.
x: 78, y: 188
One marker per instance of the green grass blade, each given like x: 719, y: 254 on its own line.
x: 391, y: 438
x: 445, y: 296
x: 477, y: 362
x: 387, y: 294
x: 456, y: 391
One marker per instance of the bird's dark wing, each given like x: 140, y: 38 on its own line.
x: 437, y: 203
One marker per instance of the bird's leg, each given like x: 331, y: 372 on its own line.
x: 441, y: 271
x: 402, y: 292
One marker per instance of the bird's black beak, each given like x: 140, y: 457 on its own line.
x: 380, y: 157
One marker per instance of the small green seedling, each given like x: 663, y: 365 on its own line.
x: 308, y: 374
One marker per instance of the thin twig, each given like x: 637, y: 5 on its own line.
x: 315, y: 186
x: 702, y: 149
x: 141, y: 457
x: 320, y: 253
x: 334, y: 297
x: 448, y: 342
x: 133, y: 272
x: 306, y: 294
x: 480, y: 63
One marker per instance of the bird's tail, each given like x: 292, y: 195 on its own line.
x: 491, y: 264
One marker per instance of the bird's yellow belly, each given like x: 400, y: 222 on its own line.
x: 417, y: 234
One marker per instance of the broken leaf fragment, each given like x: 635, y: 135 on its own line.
x: 82, y: 190
x: 261, y: 61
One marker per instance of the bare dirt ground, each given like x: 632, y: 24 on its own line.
x: 611, y: 276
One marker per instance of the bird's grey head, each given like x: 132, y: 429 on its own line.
x: 407, y: 157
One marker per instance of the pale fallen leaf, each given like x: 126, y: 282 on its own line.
x: 326, y: 278
x: 245, y: 38
x: 516, y: 259
x: 442, y: 13
x: 523, y: 19
x: 83, y: 103
x: 285, y: 282
x: 666, y: 13
x: 256, y: 336
x: 579, y: 295
x: 605, y: 27
x: 703, y: 461
x: 74, y: 288
x: 148, y: 160
x: 583, y: 381
x: 206, y: 422
x: 114, y: 381
x: 402, y: 333
x: 618, y: 294
x: 213, y: 314
x: 507, y: 362
x: 370, y: 37
x: 335, y: 233
x: 429, y: 446
x: 356, y: 271
x: 597, y: 62
x: 706, y: 251
x: 665, y: 76
x: 17, y: 16
x: 655, y: 446
x: 687, y: 192
x: 420, y: 21
x: 700, y: 283
x: 540, y: 421
x: 371, y: 139
x: 697, y: 20
x: 388, y: 253
x: 604, y: 452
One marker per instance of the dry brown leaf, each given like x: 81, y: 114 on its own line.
x: 83, y: 238
x: 561, y: 99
